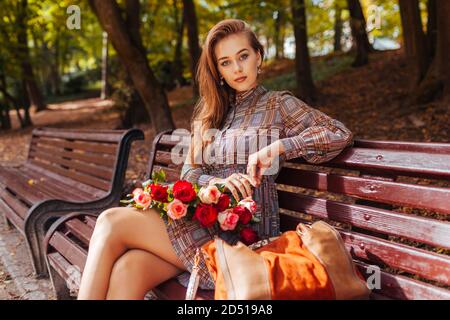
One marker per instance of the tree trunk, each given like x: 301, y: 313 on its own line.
x: 24, y: 56
x: 414, y: 39
x: 54, y: 68
x: 135, y: 112
x: 132, y: 57
x: 195, y: 51
x: 358, y: 26
x: 5, y: 119
x: 337, y: 28
x: 26, y: 121
x: 177, y: 71
x: 443, y: 46
x: 279, y: 40
x: 106, y: 90
x: 305, y: 86
x: 431, y: 28
x: 437, y: 78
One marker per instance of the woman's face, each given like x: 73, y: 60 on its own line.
x: 237, y: 59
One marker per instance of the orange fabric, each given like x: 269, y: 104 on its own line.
x: 294, y: 272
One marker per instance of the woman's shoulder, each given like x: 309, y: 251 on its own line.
x: 285, y: 97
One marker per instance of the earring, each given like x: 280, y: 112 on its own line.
x: 221, y: 81
x: 259, y: 70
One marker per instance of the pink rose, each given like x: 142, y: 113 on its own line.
x: 209, y: 195
x: 227, y: 219
x: 249, y: 204
x: 176, y: 209
x: 142, y: 198
x: 137, y: 191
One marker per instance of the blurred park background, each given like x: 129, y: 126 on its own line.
x: 379, y: 66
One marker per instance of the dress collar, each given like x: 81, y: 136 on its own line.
x: 238, y: 98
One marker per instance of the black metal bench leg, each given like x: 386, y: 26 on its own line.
x: 35, y: 229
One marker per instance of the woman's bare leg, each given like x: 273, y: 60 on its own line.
x: 118, y: 230
x: 137, y: 272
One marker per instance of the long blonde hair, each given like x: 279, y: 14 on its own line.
x: 213, y: 104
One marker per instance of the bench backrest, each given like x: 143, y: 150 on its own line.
x: 88, y: 158
x: 389, y: 200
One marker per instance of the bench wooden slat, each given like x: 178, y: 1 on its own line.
x: 104, y: 161
x: 402, y: 288
x: 426, y: 147
x: 78, y: 135
x: 20, y: 187
x: 90, y: 221
x: 91, y: 169
x: 173, y: 290
x: 164, y: 157
x: 93, y: 147
x: 13, y: 216
x: 80, y: 177
x: 428, y: 265
x: 63, y: 267
x: 171, y: 174
x: 401, y: 162
x: 80, y: 229
x: 69, y: 249
x: 56, y: 187
x: 71, y: 183
x: 428, y: 197
x: 172, y: 140
x: 15, y: 204
x: 45, y: 189
x: 425, y: 230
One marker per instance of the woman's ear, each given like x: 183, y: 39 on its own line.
x: 258, y: 54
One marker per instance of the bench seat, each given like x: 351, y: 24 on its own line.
x: 66, y: 170
x: 392, y: 213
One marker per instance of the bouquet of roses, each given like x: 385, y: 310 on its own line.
x: 210, y: 206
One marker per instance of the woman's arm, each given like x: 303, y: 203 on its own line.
x: 310, y: 133
x: 194, y: 174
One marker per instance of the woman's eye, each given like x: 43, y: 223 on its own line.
x: 223, y: 64
x: 244, y: 56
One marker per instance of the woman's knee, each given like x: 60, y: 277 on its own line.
x: 108, y: 223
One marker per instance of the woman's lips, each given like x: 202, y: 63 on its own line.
x: 240, y: 79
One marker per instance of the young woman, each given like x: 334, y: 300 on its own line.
x: 133, y: 251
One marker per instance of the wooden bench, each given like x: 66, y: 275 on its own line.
x: 376, y: 193
x: 65, y: 170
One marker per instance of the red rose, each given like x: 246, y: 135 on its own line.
x: 224, y: 202
x: 206, y: 214
x: 184, y: 191
x: 244, y: 214
x: 248, y: 236
x: 159, y: 193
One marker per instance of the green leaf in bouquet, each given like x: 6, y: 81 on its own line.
x: 255, y: 220
x: 127, y: 201
x: 220, y: 186
x: 159, y: 176
x: 196, y: 188
x: 147, y: 183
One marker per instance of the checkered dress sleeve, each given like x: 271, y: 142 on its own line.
x: 309, y: 133
x: 195, y: 175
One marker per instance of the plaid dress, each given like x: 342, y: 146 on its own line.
x: 255, y: 119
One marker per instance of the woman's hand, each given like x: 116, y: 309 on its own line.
x: 262, y: 160
x: 237, y: 183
